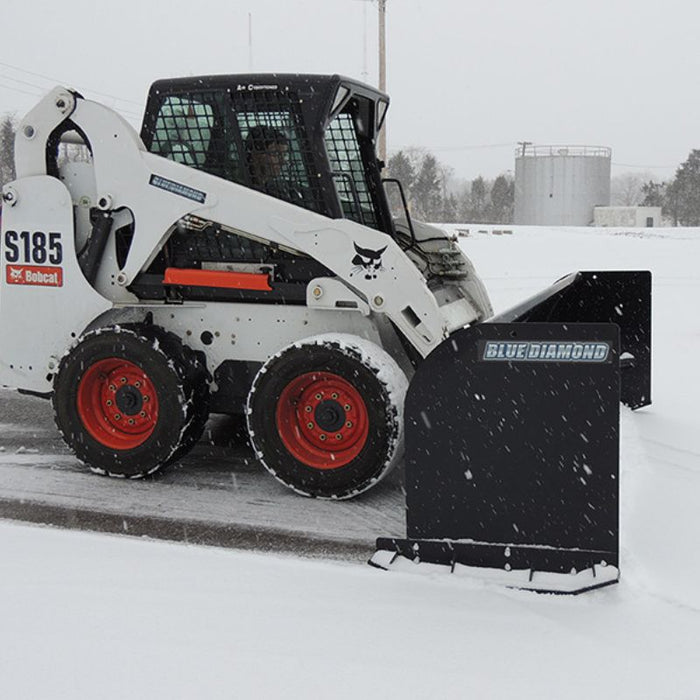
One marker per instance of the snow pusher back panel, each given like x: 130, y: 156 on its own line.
x: 512, y: 438
x: 512, y: 455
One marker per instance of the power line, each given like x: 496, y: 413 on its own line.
x: 42, y: 90
x: 473, y: 147
x: 61, y: 82
x: 651, y: 167
x: 22, y: 82
x: 476, y: 147
x: 126, y: 112
x: 16, y: 89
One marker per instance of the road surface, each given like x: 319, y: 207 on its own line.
x: 217, y: 495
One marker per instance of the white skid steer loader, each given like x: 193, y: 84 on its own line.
x: 242, y: 256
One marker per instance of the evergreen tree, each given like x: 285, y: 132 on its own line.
x: 502, y: 200
x: 479, y: 201
x: 7, y: 150
x: 683, y: 195
x: 464, y: 204
x: 401, y: 169
x: 449, y: 210
x: 653, y: 194
x: 672, y: 202
x: 427, y: 190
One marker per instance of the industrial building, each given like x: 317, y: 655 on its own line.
x: 560, y: 185
x: 634, y: 217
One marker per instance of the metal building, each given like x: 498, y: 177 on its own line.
x: 560, y: 185
x: 634, y: 217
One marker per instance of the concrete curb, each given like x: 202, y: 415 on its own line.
x: 200, y: 532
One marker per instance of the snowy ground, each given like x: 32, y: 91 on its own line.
x: 95, y: 615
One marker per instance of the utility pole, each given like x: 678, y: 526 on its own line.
x: 524, y: 145
x: 250, y: 42
x: 381, y: 4
x: 382, y: 70
x: 365, y: 72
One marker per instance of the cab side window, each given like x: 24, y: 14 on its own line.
x: 193, y: 129
x: 348, y: 168
x: 183, y: 130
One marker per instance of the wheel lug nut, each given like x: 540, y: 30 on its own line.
x: 131, y: 421
x: 143, y: 414
x: 137, y: 384
x: 112, y: 387
x: 123, y: 380
x: 117, y: 416
x: 146, y: 398
x: 310, y: 425
x: 347, y: 407
x: 308, y: 409
x: 322, y: 436
x: 338, y: 436
x: 348, y: 424
x: 109, y: 402
x: 318, y: 397
x: 334, y: 395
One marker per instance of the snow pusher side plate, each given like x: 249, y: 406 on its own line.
x: 622, y: 298
x: 512, y: 456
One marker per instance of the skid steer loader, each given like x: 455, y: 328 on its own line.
x: 242, y: 256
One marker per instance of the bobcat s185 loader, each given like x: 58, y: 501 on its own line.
x: 241, y: 255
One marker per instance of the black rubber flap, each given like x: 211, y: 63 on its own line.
x: 512, y: 438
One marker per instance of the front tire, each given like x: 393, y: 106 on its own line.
x: 124, y: 400
x: 325, y: 415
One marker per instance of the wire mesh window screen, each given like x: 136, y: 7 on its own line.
x: 257, y: 140
x: 183, y: 130
x: 349, y: 171
x: 194, y: 129
x: 276, y: 151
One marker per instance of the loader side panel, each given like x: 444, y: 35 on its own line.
x: 45, y: 301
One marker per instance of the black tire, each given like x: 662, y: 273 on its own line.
x: 124, y: 400
x: 351, y: 392
x: 196, y: 382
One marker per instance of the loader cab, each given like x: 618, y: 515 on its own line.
x: 325, y: 127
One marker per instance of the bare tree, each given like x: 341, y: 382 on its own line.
x: 626, y: 189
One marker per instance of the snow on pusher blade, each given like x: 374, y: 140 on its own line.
x: 512, y: 456
x: 622, y: 298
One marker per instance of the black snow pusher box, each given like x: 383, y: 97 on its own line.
x: 512, y: 438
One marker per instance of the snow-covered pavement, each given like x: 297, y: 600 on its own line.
x: 88, y: 615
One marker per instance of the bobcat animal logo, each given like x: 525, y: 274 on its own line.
x: 368, y: 262
x: 15, y: 274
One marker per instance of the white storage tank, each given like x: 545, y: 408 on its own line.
x: 560, y: 185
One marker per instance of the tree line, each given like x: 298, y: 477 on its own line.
x: 434, y: 195
x: 678, y: 197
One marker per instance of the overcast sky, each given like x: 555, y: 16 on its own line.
x: 468, y: 78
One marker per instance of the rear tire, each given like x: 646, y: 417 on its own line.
x: 125, y: 400
x: 196, y: 381
x: 325, y: 415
